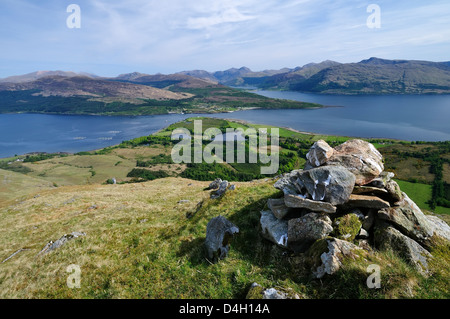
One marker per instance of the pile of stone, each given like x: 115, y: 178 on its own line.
x: 344, y: 198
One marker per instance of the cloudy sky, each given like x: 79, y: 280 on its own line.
x: 166, y: 36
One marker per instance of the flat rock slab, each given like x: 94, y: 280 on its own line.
x: 365, y: 201
x: 296, y: 201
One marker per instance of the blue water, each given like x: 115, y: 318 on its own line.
x: 407, y: 117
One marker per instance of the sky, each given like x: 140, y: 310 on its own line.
x: 168, y: 36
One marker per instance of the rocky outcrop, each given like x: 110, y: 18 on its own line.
x: 50, y: 246
x: 342, y: 200
x: 219, y: 233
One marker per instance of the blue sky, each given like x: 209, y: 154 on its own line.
x: 168, y: 36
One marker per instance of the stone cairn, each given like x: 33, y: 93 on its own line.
x: 344, y: 199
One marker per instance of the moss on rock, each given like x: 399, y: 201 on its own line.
x: 346, y: 227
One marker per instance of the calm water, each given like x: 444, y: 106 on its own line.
x: 425, y: 118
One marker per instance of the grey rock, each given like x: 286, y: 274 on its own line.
x: 287, y: 183
x: 382, y: 180
x: 61, y: 241
x: 332, y: 184
x: 214, y: 184
x: 439, y: 227
x: 274, y: 229
x: 278, y: 207
x: 221, y: 190
x: 258, y: 292
x: 359, y: 157
x: 319, y: 153
x: 409, y: 219
x: 387, y: 237
x: 369, y: 219
x: 219, y: 233
x: 304, y: 231
x: 394, y: 190
x: 364, y: 201
x: 296, y: 201
x: 332, y: 260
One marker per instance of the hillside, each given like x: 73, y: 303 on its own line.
x: 130, y: 94
x: 139, y: 227
x: 372, y: 76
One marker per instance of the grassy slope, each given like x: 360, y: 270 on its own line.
x: 139, y: 244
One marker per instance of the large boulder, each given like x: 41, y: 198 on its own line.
x: 304, y: 231
x: 359, y: 157
x: 319, y: 154
x: 274, y: 229
x: 332, y: 184
x: 409, y: 219
x: 387, y: 237
x: 219, y: 233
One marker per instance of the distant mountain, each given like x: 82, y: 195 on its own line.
x: 166, y: 81
x: 57, y: 85
x: 287, y: 79
x: 235, y: 77
x: 40, y: 74
x: 371, y: 76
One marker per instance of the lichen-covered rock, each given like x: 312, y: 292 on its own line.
x: 359, y: 157
x: 387, y: 237
x: 394, y: 191
x: 304, y: 231
x: 332, y: 184
x: 328, y: 255
x: 219, y: 233
x: 274, y: 229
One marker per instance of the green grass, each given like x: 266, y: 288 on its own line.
x: 421, y: 194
